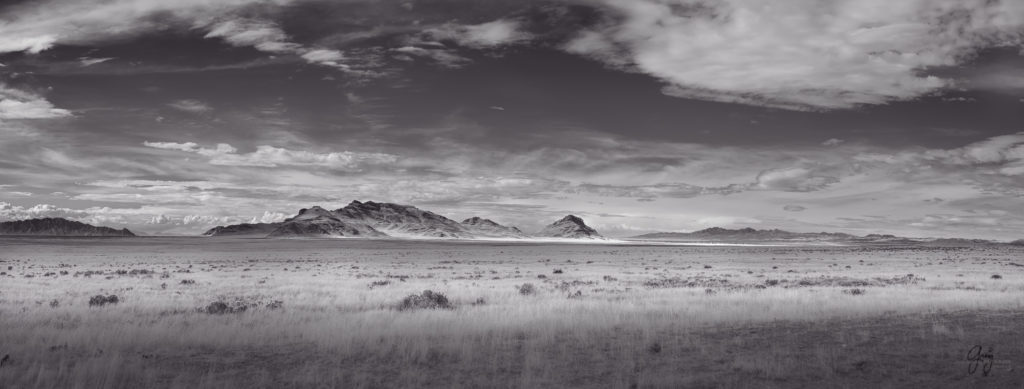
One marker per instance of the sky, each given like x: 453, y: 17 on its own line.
x: 859, y: 116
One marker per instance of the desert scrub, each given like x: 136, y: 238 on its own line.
x: 220, y: 308
x: 101, y: 300
x: 426, y: 300
x: 527, y: 289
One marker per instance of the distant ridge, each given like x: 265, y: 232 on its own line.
x: 380, y: 220
x: 718, y: 233
x: 259, y: 229
x: 748, y: 234
x: 58, y: 227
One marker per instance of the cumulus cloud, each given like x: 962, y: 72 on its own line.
x: 1005, y: 153
x: 999, y: 155
x: 793, y: 179
x: 491, y: 34
x: 9, y: 211
x: 260, y: 34
x: 267, y: 36
x: 38, y: 25
x: 270, y: 156
x: 269, y: 217
x: 799, y: 54
x: 17, y: 104
x: 794, y: 208
x: 191, y: 105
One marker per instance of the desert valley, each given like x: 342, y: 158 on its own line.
x: 730, y: 308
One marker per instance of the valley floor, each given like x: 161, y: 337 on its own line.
x: 213, y: 313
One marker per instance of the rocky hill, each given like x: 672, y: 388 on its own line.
x: 488, y: 228
x: 244, y: 229
x: 402, y: 220
x: 378, y: 220
x: 569, y: 227
x: 317, y: 221
x: 58, y: 227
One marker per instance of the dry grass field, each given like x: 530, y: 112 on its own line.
x: 254, y: 313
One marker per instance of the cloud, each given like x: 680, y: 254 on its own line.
x: 260, y: 34
x: 324, y: 57
x: 269, y: 156
x: 190, y: 105
x: 32, y: 45
x: 16, y: 104
x: 1005, y: 153
x: 491, y: 34
x: 444, y: 57
x: 9, y: 211
x: 672, y: 190
x: 793, y: 179
x: 86, y: 61
x: 799, y: 54
x: 38, y: 25
x: 832, y: 142
x: 794, y: 208
x: 267, y: 36
x: 269, y: 217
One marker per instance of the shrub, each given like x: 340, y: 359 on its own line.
x: 654, y: 348
x: 557, y: 271
x: 375, y: 284
x: 217, y: 308
x: 707, y: 266
x: 426, y: 300
x: 610, y: 278
x: 220, y: 308
x: 527, y: 289
x: 578, y: 294
x: 54, y: 303
x: 101, y: 300
x: 996, y: 277
x: 854, y: 291
x: 771, y: 282
x: 188, y: 282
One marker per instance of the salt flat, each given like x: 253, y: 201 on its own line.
x: 230, y: 312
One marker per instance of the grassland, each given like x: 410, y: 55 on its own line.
x: 212, y: 313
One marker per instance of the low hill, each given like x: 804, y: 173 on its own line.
x: 57, y: 227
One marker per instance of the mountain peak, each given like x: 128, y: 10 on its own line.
x: 571, y: 226
x: 573, y: 219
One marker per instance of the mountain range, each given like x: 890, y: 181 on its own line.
x: 378, y: 220
x: 58, y: 227
x: 718, y: 234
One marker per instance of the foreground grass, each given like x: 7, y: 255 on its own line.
x: 318, y: 315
